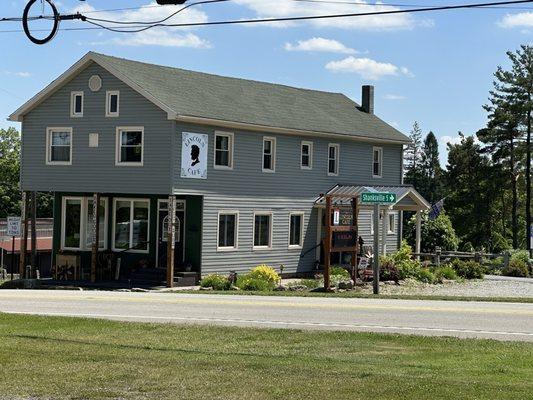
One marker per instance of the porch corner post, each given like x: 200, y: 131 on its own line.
x: 33, y: 218
x: 384, y: 230
x: 171, y: 244
x: 327, y: 244
x: 24, y: 236
x: 418, y: 233
x: 96, y: 236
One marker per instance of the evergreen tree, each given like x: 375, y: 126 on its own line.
x: 413, y: 156
x: 431, y: 171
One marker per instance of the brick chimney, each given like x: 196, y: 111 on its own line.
x: 367, y: 99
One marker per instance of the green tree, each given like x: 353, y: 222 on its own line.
x: 431, y: 171
x: 437, y: 232
x: 413, y: 156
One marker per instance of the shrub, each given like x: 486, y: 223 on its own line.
x: 404, y: 253
x: 309, y: 283
x: 388, y: 270
x: 468, y: 269
x: 445, y: 272
x: 516, y: 268
x: 253, y: 283
x: 217, y: 282
x: 265, y: 273
x: 426, y: 276
x: 520, y: 255
x: 409, y: 269
x: 436, y: 232
x: 494, y: 266
x: 340, y: 272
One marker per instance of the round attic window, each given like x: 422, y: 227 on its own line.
x: 95, y: 83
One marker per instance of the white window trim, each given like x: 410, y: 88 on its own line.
x: 131, y: 200
x: 310, y: 144
x: 73, y: 113
x: 393, y: 230
x: 229, y: 212
x: 271, y: 215
x: 118, y: 143
x: 337, y: 159
x: 84, y: 201
x: 108, y: 95
x: 372, y: 221
x: 297, y: 246
x: 380, y: 150
x: 49, y: 145
x: 273, y: 170
x: 231, y: 138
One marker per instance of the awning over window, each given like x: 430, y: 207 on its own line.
x: 407, y: 198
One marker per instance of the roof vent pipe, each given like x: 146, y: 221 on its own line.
x: 367, y: 101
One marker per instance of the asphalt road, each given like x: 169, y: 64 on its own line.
x: 501, y: 321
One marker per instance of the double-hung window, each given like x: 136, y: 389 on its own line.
x: 59, y: 146
x: 227, y: 230
x: 306, y: 156
x: 223, y: 150
x: 392, y: 223
x: 333, y: 159
x: 269, y: 154
x: 112, y: 103
x: 262, y: 230
x: 76, y: 104
x: 131, y: 225
x: 77, y: 223
x: 377, y: 162
x: 296, y: 229
x: 130, y: 141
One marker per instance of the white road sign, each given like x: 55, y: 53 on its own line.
x: 13, y: 226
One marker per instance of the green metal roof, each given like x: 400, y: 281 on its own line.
x: 197, y: 94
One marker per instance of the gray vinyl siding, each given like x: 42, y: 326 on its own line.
x: 245, y: 257
x: 365, y: 217
x: 289, y: 180
x: 93, y: 169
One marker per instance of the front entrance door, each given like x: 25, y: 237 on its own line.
x: 162, y: 233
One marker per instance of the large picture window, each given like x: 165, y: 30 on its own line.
x: 131, y: 225
x: 227, y: 230
x: 59, y: 146
x: 77, y: 223
x: 223, y: 150
x: 262, y: 230
x: 130, y: 146
x: 333, y: 159
x: 296, y: 228
x: 269, y: 154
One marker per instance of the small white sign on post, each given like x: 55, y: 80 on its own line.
x: 14, y: 226
x: 336, y: 217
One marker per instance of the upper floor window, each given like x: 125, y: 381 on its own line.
x: 333, y: 159
x: 76, y: 104
x: 269, y: 154
x: 377, y: 162
x: 306, y: 157
x: 130, y: 146
x: 223, y: 150
x: 227, y: 230
x: 59, y: 146
x: 112, y: 103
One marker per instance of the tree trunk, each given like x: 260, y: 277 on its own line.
x: 528, y: 179
x: 514, y: 216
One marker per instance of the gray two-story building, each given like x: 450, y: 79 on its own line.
x: 247, y: 162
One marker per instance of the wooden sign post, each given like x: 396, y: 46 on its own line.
x: 340, y: 238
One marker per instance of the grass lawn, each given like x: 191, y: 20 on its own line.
x: 52, y: 357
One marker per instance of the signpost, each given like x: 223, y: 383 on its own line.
x: 377, y: 199
x: 14, y: 230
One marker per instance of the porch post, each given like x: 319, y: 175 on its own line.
x: 384, y: 229
x: 327, y: 244
x: 96, y: 236
x: 171, y: 244
x: 24, y: 236
x: 418, y: 233
x: 33, y: 270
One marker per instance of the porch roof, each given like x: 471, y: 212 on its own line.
x: 407, y: 198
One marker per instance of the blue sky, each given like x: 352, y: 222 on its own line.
x: 435, y: 68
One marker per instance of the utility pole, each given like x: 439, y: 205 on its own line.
x: 375, y: 261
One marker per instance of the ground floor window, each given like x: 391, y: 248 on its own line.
x: 77, y: 223
x: 227, y: 230
x: 296, y: 227
x: 131, y: 225
x: 263, y: 230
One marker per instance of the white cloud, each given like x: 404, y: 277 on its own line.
x: 519, y: 20
x: 394, y: 97
x: 164, y: 36
x: 367, y: 68
x: 20, y: 74
x: 283, y: 9
x: 318, y: 44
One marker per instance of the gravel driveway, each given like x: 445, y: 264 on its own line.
x: 491, y: 286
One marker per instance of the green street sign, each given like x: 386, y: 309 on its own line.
x: 378, y: 198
